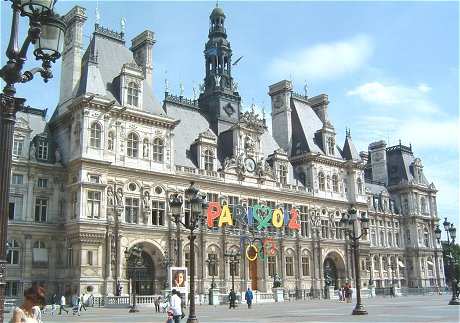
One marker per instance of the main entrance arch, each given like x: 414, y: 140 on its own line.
x: 334, y: 270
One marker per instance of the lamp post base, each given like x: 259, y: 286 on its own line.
x: 359, y: 310
x: 454, y: 301
x: 192, y: 319
x: 133, y: 309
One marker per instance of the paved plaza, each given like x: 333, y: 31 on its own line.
x: 401, y: 309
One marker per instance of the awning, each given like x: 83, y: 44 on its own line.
x: 430, y: 263
x: 401, y: 265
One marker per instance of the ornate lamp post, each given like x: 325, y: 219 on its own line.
x: 211, y: 262
x: 198, y: 209
x: 356, y: 228
x: 175, y: 205
x: 134, y: 260
x: 46, y: 32
x: 234, y: 260
x: 451, y: 233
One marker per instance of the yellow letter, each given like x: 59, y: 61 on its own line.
x: 225, y: 216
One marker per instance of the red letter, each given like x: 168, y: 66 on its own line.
x: 213, y: 213
x: 293, y: 223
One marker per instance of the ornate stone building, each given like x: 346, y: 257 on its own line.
x: 95, y: 180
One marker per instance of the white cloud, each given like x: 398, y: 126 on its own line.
x: 408, y: 98
x: 324, y: 61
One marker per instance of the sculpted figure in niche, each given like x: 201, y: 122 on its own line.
x: 32, y: 152
x: 146, y: 200
x: 119, y: 197
x: 57, y: 155
x: 110, y: 196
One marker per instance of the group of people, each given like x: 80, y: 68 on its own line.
x: 248, y: 296
x: 34, y: 305
x: 345, y: 293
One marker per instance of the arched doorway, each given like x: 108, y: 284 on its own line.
x: 334, y: 270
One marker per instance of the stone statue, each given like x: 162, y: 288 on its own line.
x: 110, y: 196
x: 119, y: 197
x: 229, y: 162
x: 249, y: 143
x: 32, y: 152
x: 217, y: 78
x: 57, y: 155
x: 145, y: 148
x: 276, y: 281
x: 146, y: 200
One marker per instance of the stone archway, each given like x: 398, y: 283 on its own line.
x: 334, y: 272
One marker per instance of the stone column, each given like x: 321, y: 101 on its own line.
x: 27, y: 276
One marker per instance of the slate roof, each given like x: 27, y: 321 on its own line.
x: 349, y: 151
x: 308, y: 122
x: 399, y: 162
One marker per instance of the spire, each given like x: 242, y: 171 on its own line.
x: 97, y: 13
x: 349, y: 151
x: 123, y: 24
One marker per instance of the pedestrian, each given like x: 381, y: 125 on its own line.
x: 25, y: 313
x: 348, y: 292
x: 77, y: 305
x: 61, y: 305
x: 83, y: 305
x: 157, y: 304
x: 339, y: 294
x: 232, y: 299
x: 176, y: 306
x: 53, y: 301
x: 248, y: 296
x: 37, y: 313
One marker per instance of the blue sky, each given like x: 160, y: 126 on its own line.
x: 390, y: 68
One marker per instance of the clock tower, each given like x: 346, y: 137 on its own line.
x: 219, y: 99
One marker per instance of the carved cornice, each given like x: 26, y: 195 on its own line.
x: 87, y: 238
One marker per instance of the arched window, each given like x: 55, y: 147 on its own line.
x: 133, y: 94
x: 12, y: 253
x: 110, y: 141
x: 423, y: 205
x: 158, y: 148
x: 335, y: 183
x: 208, y: 160
x: 145, y: 148
x: 321, y: 179
x: 282, y: 170
x: 360, y: 186
x: 133, y: 145
x: 95, y: 135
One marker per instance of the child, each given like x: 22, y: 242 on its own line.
x: 170, y: 318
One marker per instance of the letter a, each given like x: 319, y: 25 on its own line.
x: 225, y: 216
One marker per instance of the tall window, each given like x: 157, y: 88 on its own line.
x: 12, y: 288
x: 94, y: 204
x: 158, y: 148
x: 95, y: 135
x: 89, y: 257
x: 322, y: 181
x: 42, y: 152
x: 132, y: 210
x: 360, y: 186
x: 41, y: 206
x: 15, y: 208
x: 303, y: 210
x: 330, y: 145
x: 18, y: 145
x: 39, y: 253
x: 289, y: 266
x: 335, y: 183
x: 234, y: 268
x: 133, y: 94
x: 133, y: 145
x: 74, y: 205
x: 12, y: 253
x: 324, y: 229
x: 390, y: 239
x: 110, y: 141
x: 69, y: 257
x: 306, y: 266
x: 397, y: 239
x: 42, y: 182
x: 212, y: 264
x: 208, y: 160
x: 282, y: 171
x: 423, y: 205
x: 17, y: 179
x: 145, y: 148
x: 382, y: 238
x: 271, y: 261
x: 158, y: 212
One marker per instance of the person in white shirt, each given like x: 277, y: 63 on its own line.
x: 61, y: 306
x: 176, y: 306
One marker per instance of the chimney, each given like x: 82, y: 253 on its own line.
x: 319, y: 104
x: 141, y: 46
x: 72, y: 53
x: 280, y: 94
x: 378, y: 157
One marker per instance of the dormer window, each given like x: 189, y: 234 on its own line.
x: 42, y: 152
x: 133, y: 145
x: 95, y: 135
x: 133, y: 94
x: 282, y: 172
x: 208, y: 160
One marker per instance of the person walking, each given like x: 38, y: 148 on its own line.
x: 53, y: 301
x: 157, y: 304
x: 176, y: 306
x: 248, y: 296
x: 232, y: 299
x: 61, y: 305
x: 37, y: 313
x: 26, y: 313
x: 83, y: 305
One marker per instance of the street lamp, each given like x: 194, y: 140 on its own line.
x: 451, y: 233
x: 356, y: 228
x: 211, y: 262
x: 175, y: 205
x: 46, y: 32
x: 134, y: 260
x: 198, y: 209
x: 233, y: 261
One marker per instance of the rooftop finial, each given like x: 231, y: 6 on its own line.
x: 166, y: 82
x: 97, y: 13
x: 217, y: 3
x: 347, y: 132
x: 123, y: 24
x: 305, y: 89
x: 181, y: 89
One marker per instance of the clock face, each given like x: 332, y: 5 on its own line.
x: 229, y: 109
x: 249, y: 164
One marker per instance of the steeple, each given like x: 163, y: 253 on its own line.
x: 220, y: 99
